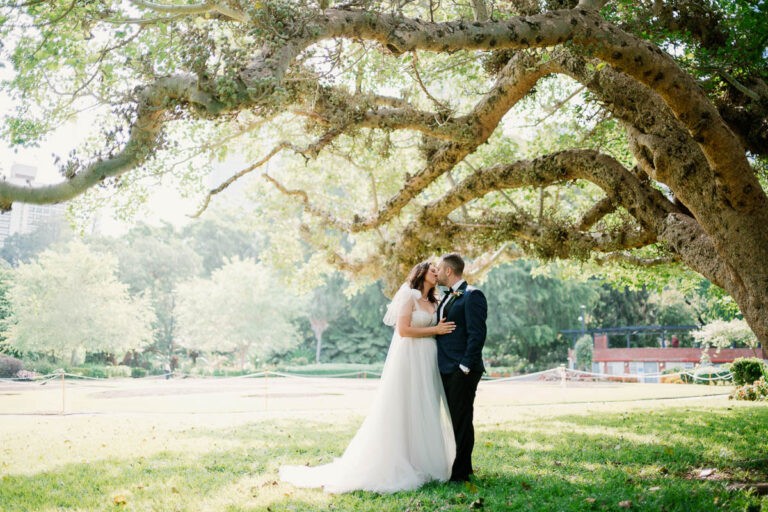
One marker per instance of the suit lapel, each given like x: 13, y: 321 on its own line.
x: 454, y: 298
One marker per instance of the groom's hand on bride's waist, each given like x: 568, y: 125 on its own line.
x: 464, y: 369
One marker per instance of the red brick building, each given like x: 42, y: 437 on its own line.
x: 652, y: 360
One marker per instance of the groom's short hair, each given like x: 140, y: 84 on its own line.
x: 456, y: 263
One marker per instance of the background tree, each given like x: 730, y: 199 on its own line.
x: 720, y: 334
x: 241, y: 308
x: 619, y: 306
x: 638, y: 154
x: 325, y: 304
x: 6, y: 279
x: 358, y: 335
x: 66, y: 302
x: 220, y: 237
x: 153, y: 261
x: 583, y: 352
x: 525, y: 313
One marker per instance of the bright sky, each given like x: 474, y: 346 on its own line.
x: 165, y: 204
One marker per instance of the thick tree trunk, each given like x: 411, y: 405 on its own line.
x: 243, y: 352
x: 319, y: 326
x: 319, y: 338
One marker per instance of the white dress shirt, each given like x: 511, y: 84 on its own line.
x: 453, y: 289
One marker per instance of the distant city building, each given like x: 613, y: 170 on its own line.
x: 25, y: 218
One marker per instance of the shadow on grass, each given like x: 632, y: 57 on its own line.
x: 571, y: 463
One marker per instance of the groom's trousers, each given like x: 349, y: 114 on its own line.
x: 460, y: 392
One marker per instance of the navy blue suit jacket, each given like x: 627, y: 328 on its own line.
x: 465, y: 344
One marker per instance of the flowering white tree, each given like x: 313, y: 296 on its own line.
x: 242, y: 308
x: 721, y: 334
x: 70, y: 300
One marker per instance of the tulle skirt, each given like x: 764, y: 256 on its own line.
x: 407, y: 438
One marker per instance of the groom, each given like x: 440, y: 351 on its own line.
x: 459, y: 355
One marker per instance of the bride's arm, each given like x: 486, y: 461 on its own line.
x: 405, y: 330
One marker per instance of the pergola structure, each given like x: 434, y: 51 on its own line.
x: 575, y: 334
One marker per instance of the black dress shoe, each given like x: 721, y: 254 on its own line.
x: 459, y: 479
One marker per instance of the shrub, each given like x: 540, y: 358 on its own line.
x: 26, y: 375
x: 711, y: 374
x: 138, y: 372
x: 746, y: 370
x: 118, y: 371
x: 685, y: 377
x: 96, y: 372
x: 583, y: 352
x: 42, y: 367
x: 755, y: 391
x: 10, y: 366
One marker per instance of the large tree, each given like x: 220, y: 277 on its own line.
x: 68, y: 302
x: 242, y: 308
x: 153, y: 261
x: 669, y: 165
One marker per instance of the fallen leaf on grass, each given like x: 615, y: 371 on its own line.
x: 478, y: 503
x: 669, y: 451
x: 120, y: 500
x: 590, y: 500
x: 654, y: 488
x: 525, y: 485
x: 471, y: 487
x: 663, y: 470
x: 557, y: 463
x: 704, y: 473
x: 625, y: 503
x: 175, y: 490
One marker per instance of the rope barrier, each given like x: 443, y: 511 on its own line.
x: 644, y: 376
x: 557, y: 373
x: 490, y: 380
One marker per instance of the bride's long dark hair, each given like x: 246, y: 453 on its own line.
x: 416, y: 280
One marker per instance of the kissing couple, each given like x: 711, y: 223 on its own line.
x: 419, y: 427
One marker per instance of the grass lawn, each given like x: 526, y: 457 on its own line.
x: 561, y: 456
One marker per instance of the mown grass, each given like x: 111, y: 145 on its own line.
x: 576, y: 457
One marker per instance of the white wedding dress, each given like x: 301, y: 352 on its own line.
x: 407, y: 438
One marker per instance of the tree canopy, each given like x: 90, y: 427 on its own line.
x: 65, y: 303
x: 644, y: 133
x: 241, y: 308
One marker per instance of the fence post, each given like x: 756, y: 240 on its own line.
x: 63, y: 393
x: 562, y: 375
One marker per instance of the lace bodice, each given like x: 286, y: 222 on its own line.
x: 421, y: 318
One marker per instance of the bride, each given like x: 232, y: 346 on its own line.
x: 407, y: 439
